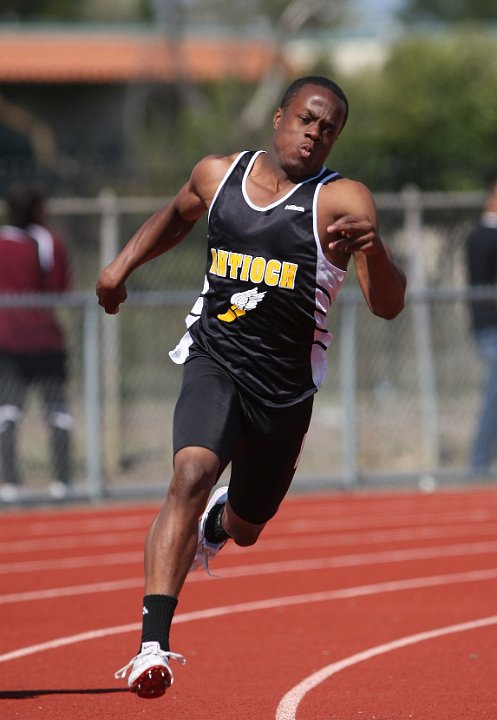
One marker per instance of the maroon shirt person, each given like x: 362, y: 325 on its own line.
x: 32, y: 346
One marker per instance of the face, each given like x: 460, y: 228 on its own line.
x: 306, y: 130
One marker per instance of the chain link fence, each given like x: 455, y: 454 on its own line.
x: 399, y: 403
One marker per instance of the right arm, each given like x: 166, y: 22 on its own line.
x: 162, y: 231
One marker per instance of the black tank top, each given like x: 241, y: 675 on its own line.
x: 267, y: 291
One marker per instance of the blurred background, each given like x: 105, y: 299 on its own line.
x: 109, y: 104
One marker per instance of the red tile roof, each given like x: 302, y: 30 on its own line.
x: 55, y: 57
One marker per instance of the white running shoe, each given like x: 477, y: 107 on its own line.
x: 10, y: 493
x: 150, y: 674
x: 206, y: 550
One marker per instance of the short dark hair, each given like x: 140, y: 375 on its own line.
x: 301, y: 82
x: 24, y: 204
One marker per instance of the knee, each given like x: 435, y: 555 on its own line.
x: 244, y: 533
x: 195, y: 473
x: 244, y: 538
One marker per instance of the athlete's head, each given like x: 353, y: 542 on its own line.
x: 301, y: 82
x: 306, y: 126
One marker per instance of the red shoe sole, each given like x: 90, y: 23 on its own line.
x: 152, y: 683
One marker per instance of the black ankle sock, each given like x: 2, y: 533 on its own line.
x: 214, y: 531
x: 158, y: 611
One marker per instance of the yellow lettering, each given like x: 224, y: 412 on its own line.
x: 235, y: 260
x: 222, y: 263
x: 288, y: 272
x: 213, y: 269
x: 244, y: 274
x: 253, y: 269
x: 257, y: 269
x: 273, y: 269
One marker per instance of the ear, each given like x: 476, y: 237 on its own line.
x: 277, y: 118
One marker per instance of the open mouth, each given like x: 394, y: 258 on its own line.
x: 306, y: 150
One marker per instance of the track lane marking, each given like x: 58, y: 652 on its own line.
x: 290, y: 702
x: 284, y: 566
x: 276, y: 542
x: 271, y: 603
x: 414, y: 518
x: 117, y: 585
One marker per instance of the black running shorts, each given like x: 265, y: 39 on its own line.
x: 262, y: 443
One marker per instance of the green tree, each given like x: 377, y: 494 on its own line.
x: 427, y: 117
x: 73, y: 10
x: 41, y: 9
x: 449, y: 10
x: 439, y: 100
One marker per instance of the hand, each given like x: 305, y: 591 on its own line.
x: 351, y: 234
x: 110, y: 295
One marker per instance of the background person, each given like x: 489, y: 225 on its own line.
x: 32, y: 259
x: 481, y: 256
x: 282, y: 229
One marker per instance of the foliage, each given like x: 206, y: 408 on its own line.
x: 428, y: 116
x: 74, y: 10
x: 257, y: 13
x: 180, y: 129
x: 449, y: 10
x: 439, y: 102
x: 244, y: 15
x: 41, y: 9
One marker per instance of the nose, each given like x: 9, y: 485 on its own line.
x: 313, y: 132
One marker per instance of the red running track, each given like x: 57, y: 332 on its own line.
x: 350, y: 607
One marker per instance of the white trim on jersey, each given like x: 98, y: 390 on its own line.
x: 260, y: 208
x: 225, y: 178
x: 182, y: 349
x: 329, y: 280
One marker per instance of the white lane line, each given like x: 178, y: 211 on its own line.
x: 75, y: 541
x: 53, y: 526
x: 285, y: 566
x: 324, y: 596
x: 414, y: 519
x: 368, y: 537
x: 344, y: 519
x: 71, y: 563
x: 275, y: 542
x: 287, y: 708
x: 116, y: 585
x: 70, y: 591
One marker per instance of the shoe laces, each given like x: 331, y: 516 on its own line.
x: 165, y: 654
x: 205, y: 552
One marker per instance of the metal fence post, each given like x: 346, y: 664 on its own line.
x: 422, y: 325
x: 92, y: 398
x: 109, y: 247
x: 348, y: 385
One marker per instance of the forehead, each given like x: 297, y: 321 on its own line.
x: 318, y: 98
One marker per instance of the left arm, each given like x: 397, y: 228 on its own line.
x: 382, y: 281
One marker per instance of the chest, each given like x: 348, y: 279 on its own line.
x: 282, y: 228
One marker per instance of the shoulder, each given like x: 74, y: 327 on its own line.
x: 347, y: 189
x: 346, y: 196
x: 213, y: 167
x: 208, y: 173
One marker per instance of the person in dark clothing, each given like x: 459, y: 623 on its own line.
x: 282, y: 229
x: 32, y: 346
x: 481, y: 256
